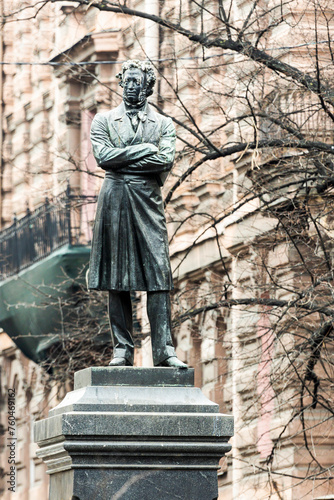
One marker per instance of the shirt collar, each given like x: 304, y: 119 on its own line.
x: 122, y: 109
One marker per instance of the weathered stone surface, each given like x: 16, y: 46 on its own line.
x: 144, y: 390
x: 160, y: 440
x: 135, y: 485
x: 126, y: 375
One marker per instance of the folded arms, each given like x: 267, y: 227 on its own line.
x: 144, y: 158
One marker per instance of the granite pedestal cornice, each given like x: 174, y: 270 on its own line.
x: 151, y: 427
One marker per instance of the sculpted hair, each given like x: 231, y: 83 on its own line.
x: 146, y: 67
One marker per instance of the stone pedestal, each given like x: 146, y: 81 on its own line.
x: 134, y: 434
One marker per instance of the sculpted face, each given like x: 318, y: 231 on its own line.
x: 134, y: 86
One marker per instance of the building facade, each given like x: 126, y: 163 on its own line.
x: 249, y: 212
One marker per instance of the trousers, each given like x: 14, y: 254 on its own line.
x: 121, y: 323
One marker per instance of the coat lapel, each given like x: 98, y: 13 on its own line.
x: 120, y: 125
x: 150, y: 129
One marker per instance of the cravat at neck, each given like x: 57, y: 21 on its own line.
x: 136, y: 116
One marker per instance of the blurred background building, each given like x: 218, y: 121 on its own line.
x: 249, y: 211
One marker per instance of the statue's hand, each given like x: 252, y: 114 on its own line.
x: 150, y: 148
x: 117, y: 158
x: 136, y: 153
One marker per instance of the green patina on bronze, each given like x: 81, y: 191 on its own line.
x: 136, y: 147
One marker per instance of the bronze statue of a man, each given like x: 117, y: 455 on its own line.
x: 136, y: 147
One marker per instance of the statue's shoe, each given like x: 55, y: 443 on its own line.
x: 173, y: 362
x: 119, y: 362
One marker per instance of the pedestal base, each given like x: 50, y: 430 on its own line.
x: 134, y: 434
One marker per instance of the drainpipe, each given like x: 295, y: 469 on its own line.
x: 236, y: 367
x: 152, y: 31
x: 151, y: 44
x: 1, y: 111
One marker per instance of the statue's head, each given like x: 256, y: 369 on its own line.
x: 137, y: 79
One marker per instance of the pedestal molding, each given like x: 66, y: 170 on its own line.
x: 92, y: 452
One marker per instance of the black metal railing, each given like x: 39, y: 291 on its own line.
x: 39, y: 233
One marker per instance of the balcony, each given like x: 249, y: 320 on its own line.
x: 43, y: 260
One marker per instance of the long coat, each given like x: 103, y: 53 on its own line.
x: 130, y: 243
